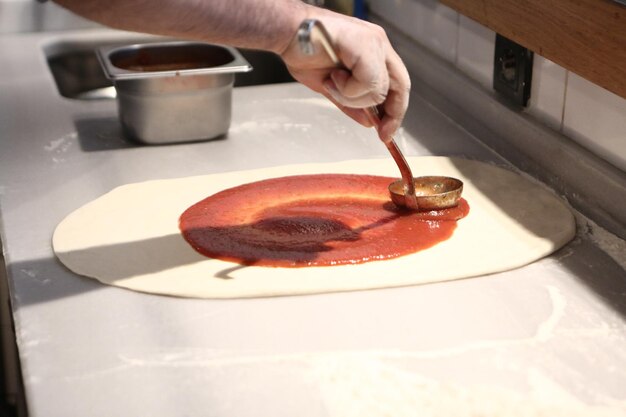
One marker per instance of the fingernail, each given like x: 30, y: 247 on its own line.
x: 330, y: 86
x: 339, y: 77
x: 387, y: 131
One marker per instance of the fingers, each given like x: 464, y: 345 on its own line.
x: 397, y: 100
x: 351, y: 93
x: 376, y: 77
x: 358, y: 115
x: 374, y: 74
x: 367, y: 81
x: 393, y: 106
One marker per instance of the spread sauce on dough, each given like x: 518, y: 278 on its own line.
x: 312, y: 220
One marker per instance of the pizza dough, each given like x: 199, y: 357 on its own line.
x: 130, y: 237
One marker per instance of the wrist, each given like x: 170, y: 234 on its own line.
x: 299, y: 11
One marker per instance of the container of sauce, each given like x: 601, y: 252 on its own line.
x: 173, y: 91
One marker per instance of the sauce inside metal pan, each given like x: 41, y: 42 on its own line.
x: 150, y: 58
x: 312, y: 220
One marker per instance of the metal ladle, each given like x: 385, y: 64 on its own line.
x: 421, y: 193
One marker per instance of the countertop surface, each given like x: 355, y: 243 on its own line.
x: 548, y: 336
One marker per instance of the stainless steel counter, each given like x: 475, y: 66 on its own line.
x: 549, y: 336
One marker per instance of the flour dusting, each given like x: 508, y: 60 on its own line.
x: 363, y: 387
x: 62, y: 144
x: 608, y: 242
x: 252, y: 126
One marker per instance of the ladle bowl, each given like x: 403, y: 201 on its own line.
x: 431, y: 192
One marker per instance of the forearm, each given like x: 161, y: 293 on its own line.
x: 260, y: 24
x: 375, y: 73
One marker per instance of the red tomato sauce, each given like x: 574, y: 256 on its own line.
x: 312, y: 220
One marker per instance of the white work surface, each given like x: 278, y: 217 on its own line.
x: 548, y: 336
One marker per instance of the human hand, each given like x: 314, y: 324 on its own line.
x: 374, y: 74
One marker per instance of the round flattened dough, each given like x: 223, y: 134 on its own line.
x: 130, y: 238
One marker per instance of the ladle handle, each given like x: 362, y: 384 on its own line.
x: 314, y: 28
x: 410, y: 200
